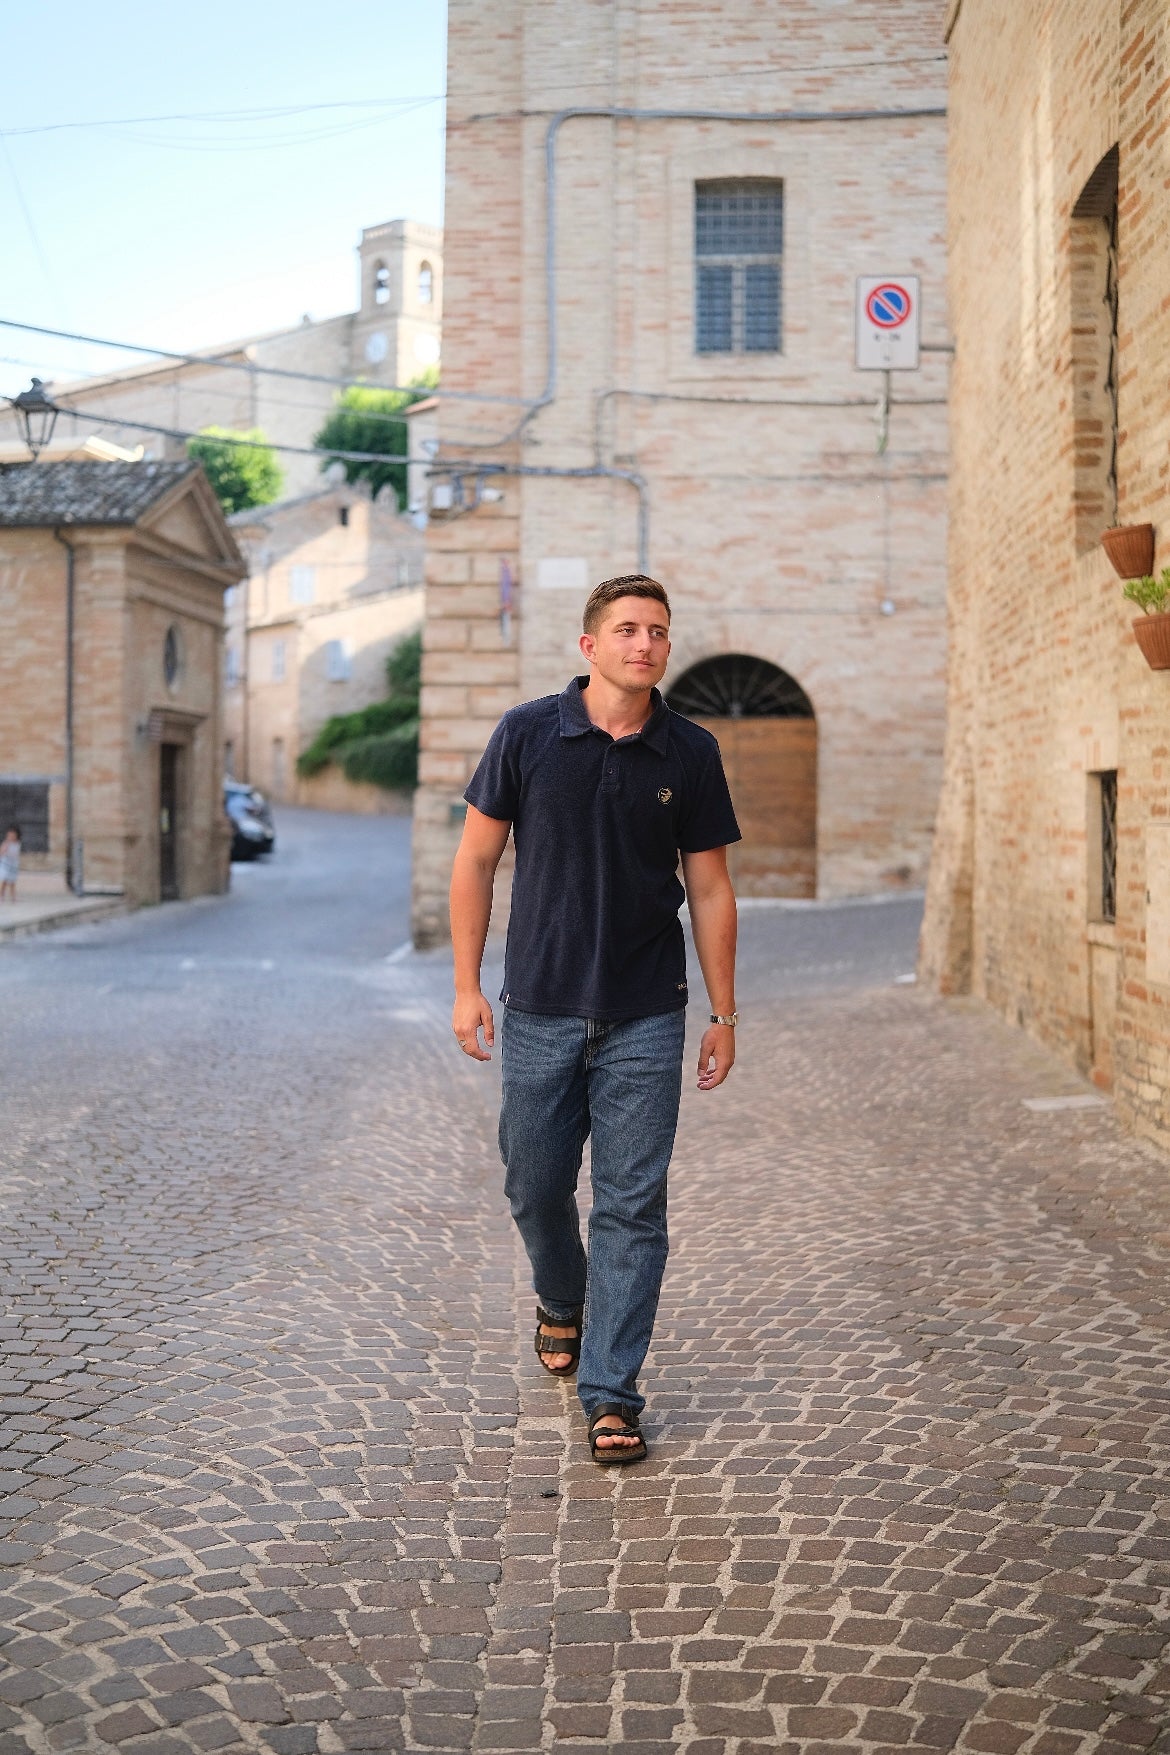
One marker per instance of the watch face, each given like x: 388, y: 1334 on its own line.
x: 426, y: 349
x: 377, y: 347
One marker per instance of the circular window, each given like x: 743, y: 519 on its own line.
x: 171, y: 659
x: 734, y: 686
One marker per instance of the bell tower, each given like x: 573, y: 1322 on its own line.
x: 397, y: 326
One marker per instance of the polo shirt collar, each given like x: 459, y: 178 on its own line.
x: 575, y: 721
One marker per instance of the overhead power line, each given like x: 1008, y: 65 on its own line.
x: 324, y: 452
x: 270, y: 113
x: 231, y: 365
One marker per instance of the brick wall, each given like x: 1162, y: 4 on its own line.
x: 777, y: 527
x: 32, y: 674
x: 1047, y: 687
x: 126, y: 597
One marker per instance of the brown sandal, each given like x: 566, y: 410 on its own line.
x: 618, y: 1454
x: 570, y: 1344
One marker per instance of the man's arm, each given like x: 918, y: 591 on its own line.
x: 472, y: 881
x: 711, y: 900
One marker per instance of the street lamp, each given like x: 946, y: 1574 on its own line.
x: 38, y: 416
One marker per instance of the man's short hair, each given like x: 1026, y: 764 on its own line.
x: 626, y: 585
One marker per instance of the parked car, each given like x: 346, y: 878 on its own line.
x: 251, y: 818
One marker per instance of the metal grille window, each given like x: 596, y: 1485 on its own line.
x: 1107, y: 784
x: 26, y: 803
x: 739, y: 237
x: 735, y: 686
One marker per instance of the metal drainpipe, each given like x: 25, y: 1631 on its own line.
x: 70, y: 582
x: 548, y: 394
x: 461, y: 467
x: 648, y: 114
x: 639, y: 115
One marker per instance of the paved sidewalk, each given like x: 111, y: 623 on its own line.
x: 283, y: 1475
x: 44, y: 902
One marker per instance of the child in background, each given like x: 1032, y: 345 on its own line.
x: 9, y: 864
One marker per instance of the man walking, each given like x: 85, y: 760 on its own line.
x: 603, y: 788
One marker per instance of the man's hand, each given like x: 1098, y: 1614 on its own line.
x: 472, y: 1012
x: 716, y: 1055
x: 472, y: 877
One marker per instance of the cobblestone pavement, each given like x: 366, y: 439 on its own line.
x: 282, y: 1474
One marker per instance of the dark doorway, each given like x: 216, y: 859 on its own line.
x: 168, y: 822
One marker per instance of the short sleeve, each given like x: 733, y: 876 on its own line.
x: 494, y: 788
x: 709, y: 820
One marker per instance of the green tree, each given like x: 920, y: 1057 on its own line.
x: 365, y: 419
x: 242, y: 475
x: 378, y: 742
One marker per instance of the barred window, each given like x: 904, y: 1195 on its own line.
x: 26, y: 803
x: 739, y: 238
x: 1103, y: 893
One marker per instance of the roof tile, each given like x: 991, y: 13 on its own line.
x: 34, y: 494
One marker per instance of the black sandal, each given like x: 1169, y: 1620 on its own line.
x: 616, y: 1453
x: 570, y: 1344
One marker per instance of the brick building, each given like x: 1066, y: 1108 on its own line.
x: 286, y: 382
x: 112, y: 578
x: 335, y: 582
x: 1050, y: 890
x: 653, y: 295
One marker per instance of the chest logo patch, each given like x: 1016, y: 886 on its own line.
x: 664, y: 795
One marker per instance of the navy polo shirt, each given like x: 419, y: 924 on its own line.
x: 599, y: 825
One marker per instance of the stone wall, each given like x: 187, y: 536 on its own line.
x: 1047, y: 688
x: 772, y: 519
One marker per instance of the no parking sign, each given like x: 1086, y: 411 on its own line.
x: 887, y: 322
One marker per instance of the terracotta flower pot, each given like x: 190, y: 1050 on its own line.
x: 1131, y: 549
x: 1152, y: 633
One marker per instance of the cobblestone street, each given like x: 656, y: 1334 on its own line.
x: 282, y: 1472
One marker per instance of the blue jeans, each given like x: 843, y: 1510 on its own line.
x: 566, y: 1079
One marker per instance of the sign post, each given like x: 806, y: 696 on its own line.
x: 887, y: 322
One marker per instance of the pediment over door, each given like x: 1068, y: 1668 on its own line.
x: 190, y: 519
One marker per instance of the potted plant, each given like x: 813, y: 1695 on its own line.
x: 1130, y: 548
x: 1152, y: 630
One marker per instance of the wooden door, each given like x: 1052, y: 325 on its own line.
x: 168, y: 822
x: 771, y: 767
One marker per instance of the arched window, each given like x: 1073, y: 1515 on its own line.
x: 733, y: 686
x: 426, y: 284
x: 172, y: 657
x: 1095, y: 352
x: 381, y: 284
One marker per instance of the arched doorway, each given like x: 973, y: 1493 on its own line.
x: 767, y: 731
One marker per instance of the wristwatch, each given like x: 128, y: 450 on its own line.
x: 731, y: 1019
